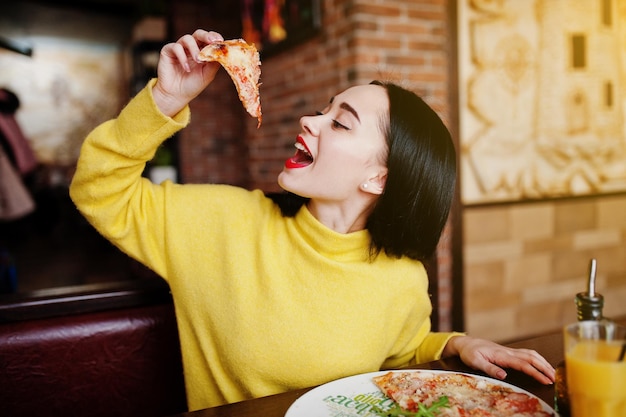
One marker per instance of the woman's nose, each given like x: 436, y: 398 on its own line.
x: 310, y: 124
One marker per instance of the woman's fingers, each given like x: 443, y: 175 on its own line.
x: 188, y: 46
x: 177, y: 52
x: 491, y: 358
x: 207, y: 36
x: 527, y: 361
x: 180, y: 76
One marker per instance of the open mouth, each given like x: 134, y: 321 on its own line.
x: 301, y: 158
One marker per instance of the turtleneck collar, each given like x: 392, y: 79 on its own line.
x: 330, y: 244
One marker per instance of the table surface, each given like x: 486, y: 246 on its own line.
x: 550, y: 346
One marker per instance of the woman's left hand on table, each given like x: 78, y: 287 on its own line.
x: 491, y: 358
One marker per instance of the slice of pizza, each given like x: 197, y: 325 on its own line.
x: 464, y: 395
x: 409, y: 390
x: 241, y: 61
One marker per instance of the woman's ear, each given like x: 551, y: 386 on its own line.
x: 375, y: 184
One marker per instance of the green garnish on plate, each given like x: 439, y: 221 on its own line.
x: 432, y: 410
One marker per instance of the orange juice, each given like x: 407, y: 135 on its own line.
x: 596, y: 381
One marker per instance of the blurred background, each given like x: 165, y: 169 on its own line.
x: 539, y: 127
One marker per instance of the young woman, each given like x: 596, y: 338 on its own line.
x: 274, y: 294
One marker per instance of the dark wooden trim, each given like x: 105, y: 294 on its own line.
x: 456, y: 214
x: 458, y: 305
x: 83, y: 299
x: 432, y: 269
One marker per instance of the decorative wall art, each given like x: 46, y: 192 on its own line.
x: 66, y: 89
x: 69, y: 77
x: 276, y: 25
x: 542, y: 98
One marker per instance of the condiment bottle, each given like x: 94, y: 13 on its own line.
x: 589, y: 305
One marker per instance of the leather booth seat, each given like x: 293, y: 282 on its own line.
x: 94, y: 354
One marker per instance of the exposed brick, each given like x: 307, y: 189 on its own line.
x: 406, y: 60
x: 430, y: 15
x: 372, y: 43
x: 396, y: 29
x: 377, y: 10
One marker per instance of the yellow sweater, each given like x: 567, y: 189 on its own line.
x: 264, y: 303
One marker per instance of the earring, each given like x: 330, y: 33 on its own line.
x: 365, y: 185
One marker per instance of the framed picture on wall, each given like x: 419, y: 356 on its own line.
x: 276, y: 25
x: 541, y: 104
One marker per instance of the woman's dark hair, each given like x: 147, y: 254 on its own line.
x: 408, y: 218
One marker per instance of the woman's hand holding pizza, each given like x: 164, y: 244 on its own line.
x: 180, y: 76
x: 491, y: 357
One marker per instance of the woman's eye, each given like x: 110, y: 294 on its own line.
x: 335, y: 123
x: 338, y: 125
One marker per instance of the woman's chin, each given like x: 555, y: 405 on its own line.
x: 283, y: 182
x: 287, y: 183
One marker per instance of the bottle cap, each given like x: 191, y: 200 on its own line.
x: 589, y: 304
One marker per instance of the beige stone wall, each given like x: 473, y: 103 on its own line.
x: 524, y: 263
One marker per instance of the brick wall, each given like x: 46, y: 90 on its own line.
x: 360, y: 40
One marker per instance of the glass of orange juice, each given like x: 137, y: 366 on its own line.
x: 596, y: 373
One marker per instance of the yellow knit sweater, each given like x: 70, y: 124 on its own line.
x: 264, y: 303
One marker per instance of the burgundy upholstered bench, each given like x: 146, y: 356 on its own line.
x: 90, y: 352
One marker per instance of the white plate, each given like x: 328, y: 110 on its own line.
x: 353, y: 396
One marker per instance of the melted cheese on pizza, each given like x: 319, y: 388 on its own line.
x: 242, y: 63
x: 467, y: 396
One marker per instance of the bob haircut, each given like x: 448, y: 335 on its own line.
x: 409, y: 216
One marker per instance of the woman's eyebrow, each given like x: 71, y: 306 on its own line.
x: 349, y: 108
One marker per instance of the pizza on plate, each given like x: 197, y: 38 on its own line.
x: 464, y: 395
x: 242, y: 63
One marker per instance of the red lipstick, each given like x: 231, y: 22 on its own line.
x: 302, y: 158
